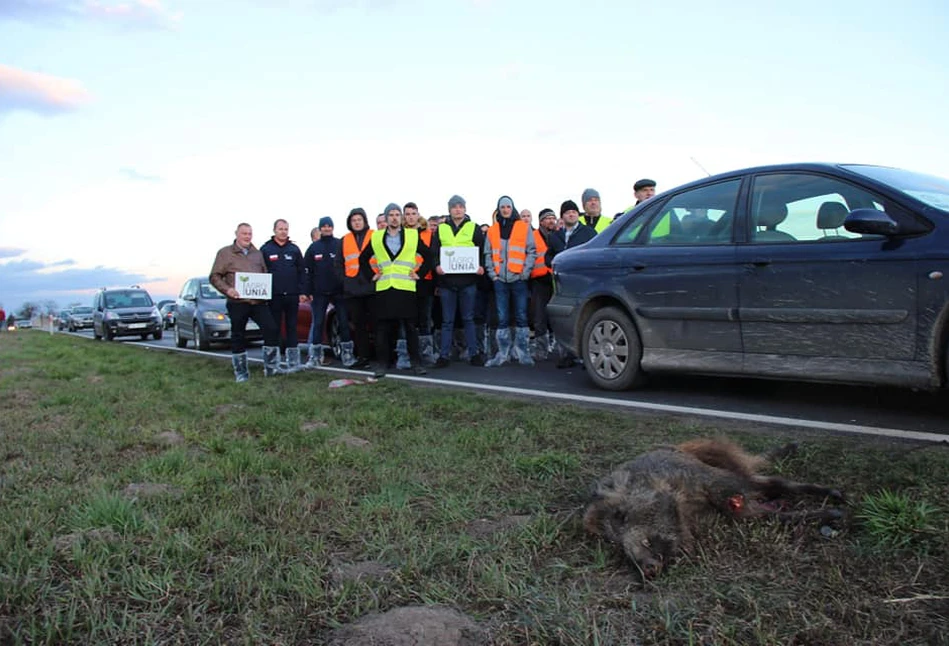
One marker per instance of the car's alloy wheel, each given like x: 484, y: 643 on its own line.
x: 180, y: 341
x: 200, y: 339
x: 612, y: 350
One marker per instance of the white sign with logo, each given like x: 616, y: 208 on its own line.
x: 459, y: 260
x: 253, y: 286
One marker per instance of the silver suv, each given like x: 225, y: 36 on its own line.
x: 202, y: 316
x: 124, y: 312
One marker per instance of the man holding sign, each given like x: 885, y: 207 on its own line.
x: 456, y: 251
x: 240, y: 274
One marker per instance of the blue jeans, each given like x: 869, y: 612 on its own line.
x: 504, y: 293
x: 318, y: 308
x: 461, y: 299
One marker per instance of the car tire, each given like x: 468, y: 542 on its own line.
x: 612, y: 351
x: 144, y: 337
x: 157, y: 334
x: 72, y: 328
x: 200, y: 339
x: 332, y: 336
x: 180, y: 341
x: 96, y: 335
x: 107, y: 333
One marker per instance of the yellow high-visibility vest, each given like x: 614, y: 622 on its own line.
x: 395, y: 272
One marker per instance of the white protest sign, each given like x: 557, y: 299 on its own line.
x: 459, y: 260
x: 253, y: 286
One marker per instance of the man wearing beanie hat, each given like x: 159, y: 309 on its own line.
x: 394, y: 260
x: 509, y: 256
x: 357, y: 289
x: 285, y: 264
x: 592, y: 210
x: 324, y: 285
x: 573, y: 234
x: 458, y: 291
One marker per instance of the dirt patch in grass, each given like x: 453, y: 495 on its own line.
x: 139, y: 490
x: 169, y: 438
x: 413, y: 626
x: 66, y: 542
x: 486, y: 528
x: 366, y: 571
x: 351, y: 441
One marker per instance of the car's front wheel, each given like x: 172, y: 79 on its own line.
x: 107, y: 333
x: 611, y: 350
x: 200, y: 338
x: 157, y: 334
x: 180, y: 341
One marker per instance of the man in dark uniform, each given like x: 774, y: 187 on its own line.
x: 284, y: 261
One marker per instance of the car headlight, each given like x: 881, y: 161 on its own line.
x: 110, y: 316
x: 215, y: 316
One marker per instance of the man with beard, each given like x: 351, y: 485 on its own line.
x: 394, y: 261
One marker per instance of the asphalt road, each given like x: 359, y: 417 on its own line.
x: 816, y: 405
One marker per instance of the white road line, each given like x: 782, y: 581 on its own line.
x: 571, y: 398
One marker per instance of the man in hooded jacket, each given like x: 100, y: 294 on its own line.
x: 357, y: 288
x: 509, y: 256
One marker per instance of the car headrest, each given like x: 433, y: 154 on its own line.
x: 771, y: 213
x: 831, y: 215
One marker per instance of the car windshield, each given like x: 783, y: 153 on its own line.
x: 115, y: 300
x: 82, y: 310
x: 208, y: 291
x: 930, y: 189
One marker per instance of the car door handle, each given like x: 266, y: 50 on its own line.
x: 760, y: 262
x: 637, y: 266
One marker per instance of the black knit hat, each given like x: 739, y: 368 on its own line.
x: 569, y: 205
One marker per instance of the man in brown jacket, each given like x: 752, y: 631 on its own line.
x: 242, y: 255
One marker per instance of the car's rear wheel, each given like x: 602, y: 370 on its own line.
x: 612, y: 351
x: 333, y: 337
x: 200, y: 338
x: 180, y: 341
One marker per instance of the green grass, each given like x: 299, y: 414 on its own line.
x: 466, y: 500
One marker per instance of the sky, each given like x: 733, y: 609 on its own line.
x: 136, y: 134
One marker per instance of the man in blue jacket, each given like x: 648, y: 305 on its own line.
x: 324, y: 285
x: 285, y: 264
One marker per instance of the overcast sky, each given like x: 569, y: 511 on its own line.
x: 135, y: 134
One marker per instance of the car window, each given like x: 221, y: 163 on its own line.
x: 701, y: 216
x: 799, y: 207
x: 630, y: 230
x: 209, y: 291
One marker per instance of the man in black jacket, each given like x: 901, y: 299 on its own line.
x: 573, y: 234
x: 285, y: 264
x: 324, y: 285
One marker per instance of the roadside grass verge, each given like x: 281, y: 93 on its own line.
x: 146, y: 498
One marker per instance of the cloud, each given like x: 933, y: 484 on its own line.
x: 135, y: 175
x: 145, y: 14
x: 11, y: 252
x: 31, y: 280
x: 38, y: 92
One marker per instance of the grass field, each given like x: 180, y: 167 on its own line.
x: 146, y: 498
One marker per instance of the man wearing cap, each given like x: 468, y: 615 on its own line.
x: 357, y: 289
x: 542, y: 285
x: 324, y: 285
x: 458, y: 291
x: 592, y: 211
x: 509, y: 255
x: 285, y: 264
x: 394, y: 261
x: 643, y: 190
x: 573, y: 234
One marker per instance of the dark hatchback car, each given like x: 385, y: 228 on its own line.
x: 817, y: 272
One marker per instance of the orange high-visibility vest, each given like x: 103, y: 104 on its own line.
x: 540, y: 263
x: 516, y: 247
x: 426, y: 237
x: 351, y: 252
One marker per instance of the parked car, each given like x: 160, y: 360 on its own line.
x: 80, y: 318
x: 202, y: 316
x: 124, y: 312
x: 330, y: 327
x: 818, y: 272
x: 62, y: 320
x: 167, y: 312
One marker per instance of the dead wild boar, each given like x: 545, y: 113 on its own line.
x: 650, y: 505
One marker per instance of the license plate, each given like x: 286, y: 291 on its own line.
x: 252, y: 326
x: 137, y: 326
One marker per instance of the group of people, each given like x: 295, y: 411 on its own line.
x: 383, y: 283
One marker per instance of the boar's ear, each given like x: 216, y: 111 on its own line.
x: 602, y: 487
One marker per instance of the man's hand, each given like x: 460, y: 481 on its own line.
x: 413, y: 275
x: 232, y: 293
x: 439, y: 270
x: 480, y: 271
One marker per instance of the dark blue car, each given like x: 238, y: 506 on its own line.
x: 818, y: 272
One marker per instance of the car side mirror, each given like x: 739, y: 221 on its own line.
x: 189, y: 297
x: 871, y: 222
